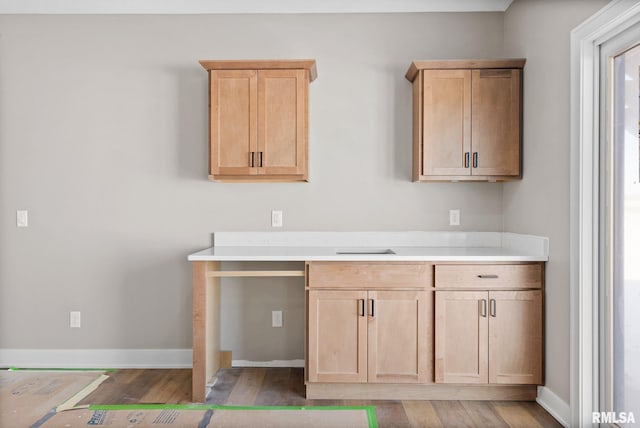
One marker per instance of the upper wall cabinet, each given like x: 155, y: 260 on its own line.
x: 467, y: 120
x: 259, y: 119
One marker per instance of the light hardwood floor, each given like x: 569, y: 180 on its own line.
x: 284, y: 387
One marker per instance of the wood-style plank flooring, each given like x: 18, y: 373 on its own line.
x: 285, y: 387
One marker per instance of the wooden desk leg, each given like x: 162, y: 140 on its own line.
x: 206, y: 327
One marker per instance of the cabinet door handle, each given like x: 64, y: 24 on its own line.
x: 260, y: 163
x: 373, y: 308
x: 483, y: 308
x: 361, y: 301
x: 253, y: 155
x: 487, y: 276
x: 466, y: 159
x: 475, y: 159
x: 492, y: 307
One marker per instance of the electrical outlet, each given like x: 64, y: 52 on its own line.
x: 22, y: 218
x: 74, y: 319
x: 276, y: 318
x: 276, y: 218
x: 454, y: 217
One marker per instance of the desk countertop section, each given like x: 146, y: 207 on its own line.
x: 353, y: 246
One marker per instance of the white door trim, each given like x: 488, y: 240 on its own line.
x: 586, y: 40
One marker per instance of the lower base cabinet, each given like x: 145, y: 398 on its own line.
x: 488, y: 337
x: 358, y: 336
x: 424, y: 331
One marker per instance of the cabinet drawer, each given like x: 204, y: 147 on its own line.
x: 369, y: 275
x: 489, y: 276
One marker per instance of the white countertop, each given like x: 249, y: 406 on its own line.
x: 408, y: 246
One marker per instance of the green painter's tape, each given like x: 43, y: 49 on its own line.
x: 371, y: 416
x: 371, y: 410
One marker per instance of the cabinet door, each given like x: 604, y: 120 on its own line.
x: 495, y: 111
x: 515, y: 337
x: 461, y: 337
x: 399, y: 336
x: 233, y: 125
x: 446, y: 122
x: 282, y: 122
x: 337, y: 336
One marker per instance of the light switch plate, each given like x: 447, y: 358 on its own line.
x: 22, y: 218
x: 74, y: 319
x: 276, y: 318
x: 454, y: 217
x: 276, y: 218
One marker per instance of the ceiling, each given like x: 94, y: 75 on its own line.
x: 246, y: 6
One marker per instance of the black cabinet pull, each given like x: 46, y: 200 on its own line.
x: 475, y: 159
x: 361, y: 301
x: 487, y: 276
x: 373, y: 308
x: 466, y: 159
x: 253, y: 159
x: 260, y: 163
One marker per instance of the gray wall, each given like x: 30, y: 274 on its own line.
x: 539, y: 204
x: 103, y: 138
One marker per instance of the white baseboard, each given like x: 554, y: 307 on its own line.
x: 274, y: 363
x: 96, y: 358
x: 115, y: 359
x: 555, y: 405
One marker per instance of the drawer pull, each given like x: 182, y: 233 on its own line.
x: 487, y: 276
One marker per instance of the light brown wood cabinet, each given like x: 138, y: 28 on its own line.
x: 467, y: 120
x: 259, y: 119
x: 337, y: 336
x: 488, y: 336
x: 360, y: 335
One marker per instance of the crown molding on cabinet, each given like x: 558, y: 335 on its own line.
x: 263, y: 64
x: 246, y: 6
x: 453, y: 64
